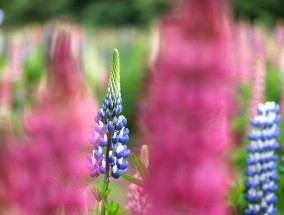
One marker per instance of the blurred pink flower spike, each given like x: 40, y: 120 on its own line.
x: 138, y: 201
x: 259, y: 70
x: 64, y: 64
x: 185, y: 120
x: 52, y: 166
x: 5, y: 108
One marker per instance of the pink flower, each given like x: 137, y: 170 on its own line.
x: 278, y: 43
x: 5, y: 107
x: 243, y: 52
x: 137, y: 200
x: 185, y: 118
x: 16, y: 57
x: 52, y: 166
x: 259, y: 68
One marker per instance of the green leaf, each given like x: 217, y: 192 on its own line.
x: 113, y: 208
x: 96, y: 193
x: 140, y: 167
x: 144, y: 155
x: 132, y: 179
x: 101, y: 192
x: 107, y: 192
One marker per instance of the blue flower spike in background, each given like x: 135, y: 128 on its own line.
x: 262, y: 161
x: 109, y: 138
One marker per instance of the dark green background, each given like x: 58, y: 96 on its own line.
x: 123, y: 12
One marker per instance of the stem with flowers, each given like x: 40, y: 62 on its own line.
x: 109, y: 139
x: 106, y: 176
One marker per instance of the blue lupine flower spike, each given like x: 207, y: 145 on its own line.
x: 262, y: 161
x: 110, y: 133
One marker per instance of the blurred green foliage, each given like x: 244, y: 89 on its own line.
x: 266, y: 11
x: 123, y: 12
x: 238, y: 156
x: 240, y: 122
x: 273, y: 84
x: 33, y: 73
x: 273, y: 93
x: 90, y: 12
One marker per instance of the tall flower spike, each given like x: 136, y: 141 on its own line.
x: 172, y: 126
x: 58, y: 124
x: 261, y: 170
x: 110, y: 134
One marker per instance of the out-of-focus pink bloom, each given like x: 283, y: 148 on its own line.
x: 138, y: 203
x: 34, y: 34
x: 278, y: 45
x: 5, y: 92
x: 5, y: 107
x: 279, y: 57
x: 243, y: 50
x: 15, y: 56
x: 5, y: 198
x: 185, y: 118
x: 52, y: 167
x: 259, y: 67
x: 7, y: 203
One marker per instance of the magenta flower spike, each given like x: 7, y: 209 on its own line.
x: 278, y: 43
x: 52, y: 166
x: 137, y: 200
x: 244, y: 53
x: 16, y: 58
x: 185, y: 118
x: 5, y: 107
x: 259, y: 67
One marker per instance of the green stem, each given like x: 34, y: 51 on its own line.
x: 107, y: 175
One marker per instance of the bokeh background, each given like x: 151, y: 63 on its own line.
x: 133, y: 27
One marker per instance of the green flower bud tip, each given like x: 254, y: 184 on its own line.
x: 114, y: 80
